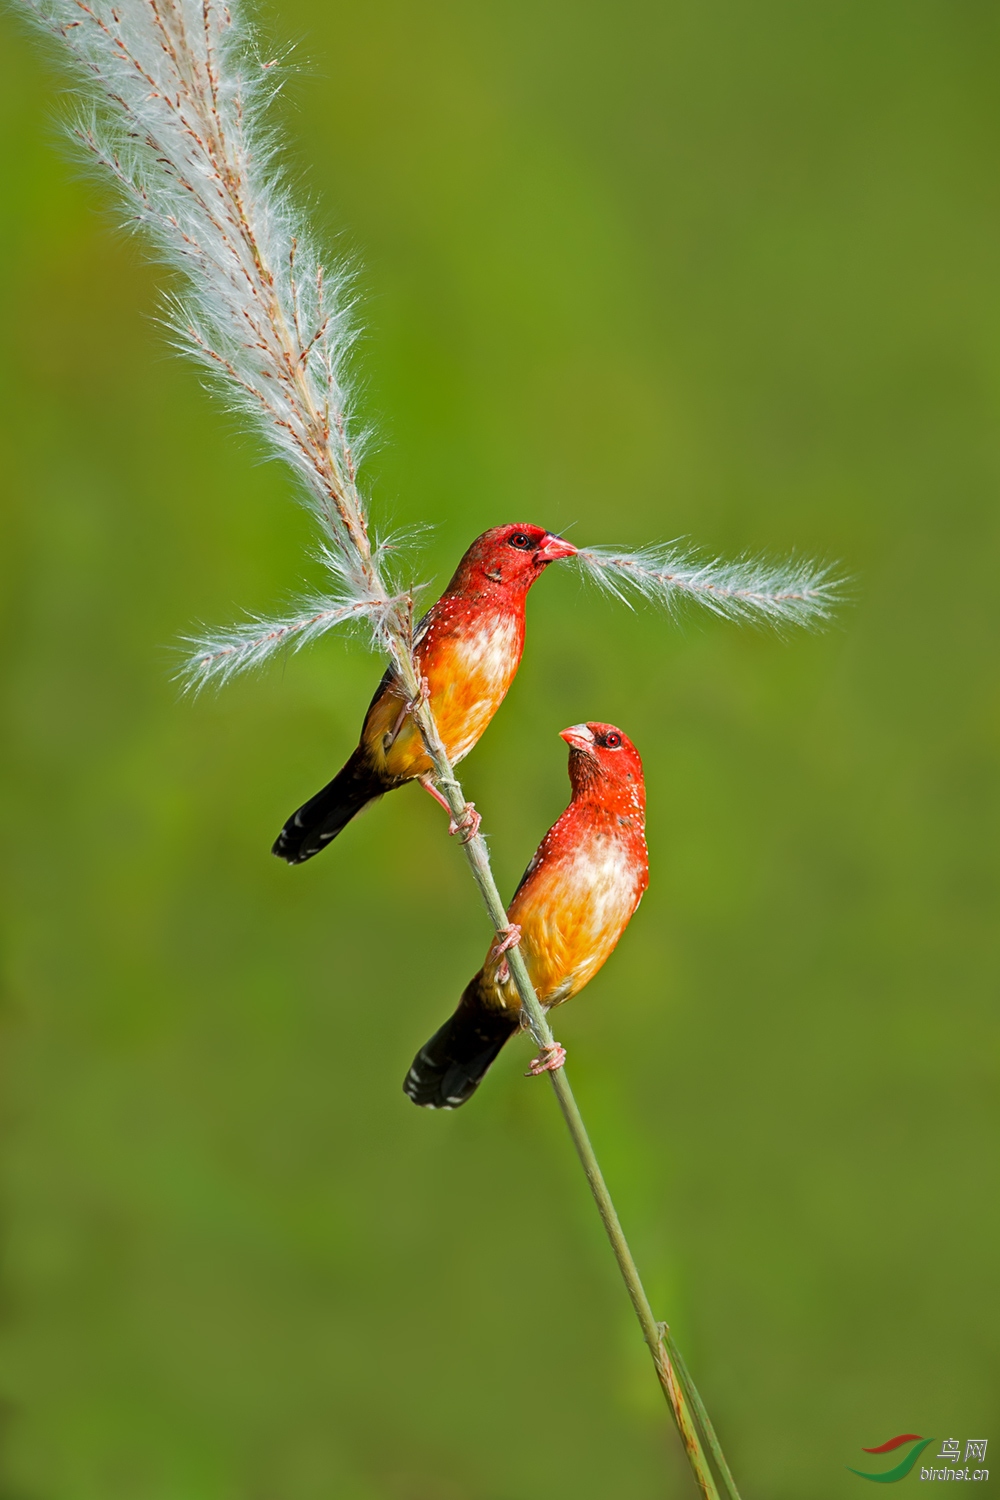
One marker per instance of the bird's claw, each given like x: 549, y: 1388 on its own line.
x: 422, y: 697
x: 509, y: 937
x: 466, y: 824
x: 407, y: 707
x: 549, y: 1060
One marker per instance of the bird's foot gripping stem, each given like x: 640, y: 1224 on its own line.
x: 424, y: 696
x: 549, y: 1060
x: 468, y: 821
x: 407, y: 707
x: 466, y: 825
x: 507, y: 937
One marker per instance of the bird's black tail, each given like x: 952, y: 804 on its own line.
x: 449, y: 1069
x: 321, y: 818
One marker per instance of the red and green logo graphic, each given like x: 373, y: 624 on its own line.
x: 900, y: 1471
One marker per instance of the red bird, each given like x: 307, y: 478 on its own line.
x: 468, y: 648
x: 574, y: 902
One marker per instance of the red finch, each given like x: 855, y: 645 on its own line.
x: 468, y: 648
x: 573, y: 903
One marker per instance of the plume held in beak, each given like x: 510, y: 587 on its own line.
x: 795, y: 592
x: 553, y: 548
x: 579, y: 737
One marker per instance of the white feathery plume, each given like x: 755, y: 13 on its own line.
x: 220, y: 654
x: 179, y: 124
x: 750, y: 589
x: 223, y: 653
x: 181, y: 94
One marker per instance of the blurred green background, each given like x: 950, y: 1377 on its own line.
x: 658, y: 269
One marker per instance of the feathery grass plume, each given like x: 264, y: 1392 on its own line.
x: 179, y: 127
x: 750, y: 589
x: 221, y: 654
x: 179, y: 124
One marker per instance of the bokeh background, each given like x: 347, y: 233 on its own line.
x: 647, y: 270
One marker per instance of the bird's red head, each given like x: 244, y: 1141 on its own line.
x: 604, y: 765
x: 508, y: 559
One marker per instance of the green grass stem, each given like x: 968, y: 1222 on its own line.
x: 685, y: 1404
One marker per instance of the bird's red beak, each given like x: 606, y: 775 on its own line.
x: 552, y: 548
x: 580, y: 737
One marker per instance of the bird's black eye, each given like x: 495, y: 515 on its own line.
x: 522, y: 540
x: 612, y: 740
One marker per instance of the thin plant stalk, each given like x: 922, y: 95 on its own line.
x: 477, y: 855
x: 704, y: 1420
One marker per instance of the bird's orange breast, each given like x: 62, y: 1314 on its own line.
x: 573, y: 907
x: 469, y: 663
